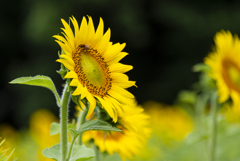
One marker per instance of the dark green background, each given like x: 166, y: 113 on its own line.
x: 164, y: 40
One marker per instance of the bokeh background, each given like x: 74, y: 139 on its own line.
x: 164, y: 40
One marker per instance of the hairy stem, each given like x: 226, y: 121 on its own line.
x: 64, y: 122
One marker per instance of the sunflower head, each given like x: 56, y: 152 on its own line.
x: 129, y: 142
x: 224, y: 62
x: 93, y: 66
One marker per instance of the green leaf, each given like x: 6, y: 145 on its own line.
x: 112, y: 157
x: 53, y: 152
x: 38, y: 80
x: 55, y: 128
x: 95, y: 125
x: 79, y: 153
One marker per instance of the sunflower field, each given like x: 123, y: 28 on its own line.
x: 123, y: 81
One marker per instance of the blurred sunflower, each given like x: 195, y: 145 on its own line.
x: 169, y: 123
x: 3, y: 155
x: 231, y: 112
x: 93, y: 63
x: 224, y: 62
x: 40, y: 124
x: 129, y: 142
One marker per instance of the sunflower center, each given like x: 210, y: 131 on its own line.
x: 231, y: 74
x: 92, y: 70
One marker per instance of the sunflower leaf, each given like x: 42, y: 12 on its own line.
x: 114, y: 157
x: 79, y: 153
x: 38, y: 80
x: 55, y: 128
x: 97, y: 125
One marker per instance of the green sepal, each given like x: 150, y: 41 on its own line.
x: 97, y: 125
x: 75, y: 100
x: 200, y: 67
x: 62, y: 73
x: 42, y: 81
x: 79, y: 152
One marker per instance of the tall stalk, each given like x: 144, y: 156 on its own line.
x: 64, y: 122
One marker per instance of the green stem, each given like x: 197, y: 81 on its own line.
x: 64, y: 122
x: 213, y: 127
x: 97, y: 156
x: 70, y: 149
x: 81, y: 120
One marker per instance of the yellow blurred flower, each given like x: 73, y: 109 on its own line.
x: 10, y: 134
x: 224, y: 62
x: 231, y: 112
x: 3, y: 152
x: 40, y: 123
x: 28, y: 144
x: 129, y: 142
x: 168, y: 122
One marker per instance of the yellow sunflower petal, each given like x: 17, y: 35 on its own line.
x: 113, y: 51
x: 101, y: 46
x: 122, y: 91
x: 120, y: 68
x: 92, y: 105
x: 118, y: 97
x: 84, y: 92
x: 108, y: 107
x: 91, y: 31
x: 74, y: 82
x: 68, y: 59
x: 83, y: 31
x: 117, y: 58
x: 119, y: 77
x: 71, y: 74
x: 76, y: 29
x: 64, y: 47
x: 67, y: 30
x: 117, y: 106
x: 99, y: 33
x: 77, y: 91
x: 66, y: 63
x: 125, y: 84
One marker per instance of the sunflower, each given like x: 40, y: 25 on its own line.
x: 224, y: 62
x: 93, y: 64
x: 169, y: 122
x: 129, y: 142
x: 231, y: 112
